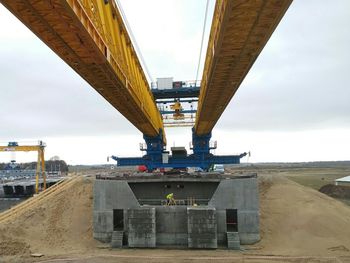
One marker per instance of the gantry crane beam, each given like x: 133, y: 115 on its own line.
x: 90, y: 36
x: 32, y: 148
x: 240, y: 30
x: 40, y: 167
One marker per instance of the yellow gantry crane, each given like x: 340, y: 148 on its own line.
x: 40, y: 166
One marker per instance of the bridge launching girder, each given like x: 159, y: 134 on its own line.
x: 90, y: 36
x: 240, y: 29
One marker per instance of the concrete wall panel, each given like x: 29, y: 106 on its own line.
x: 221, y: 221
x: 236, y: 194
x: 171, y: 219
x: 249, y: 238
x: 202, y: 228
x: 142, y: 227
x: 103, y: 221
x: 172, y: 239
x: 248, y: 221
x: 113, y: 194
x: 103, y: 237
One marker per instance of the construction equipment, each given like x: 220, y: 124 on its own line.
x: 91, y: 37
x: 40, y: 166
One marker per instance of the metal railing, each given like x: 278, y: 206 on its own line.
x: 179, y: 202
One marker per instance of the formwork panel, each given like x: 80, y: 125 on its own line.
x: 103, y: 221
x: 142, y: 227
x: 202, y: 227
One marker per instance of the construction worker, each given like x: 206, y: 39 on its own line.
x: 170, y: 199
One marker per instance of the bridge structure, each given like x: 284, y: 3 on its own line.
x: 91, y: 37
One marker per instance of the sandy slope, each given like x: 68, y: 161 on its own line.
x: 60, y: 225
x: 295, y: 221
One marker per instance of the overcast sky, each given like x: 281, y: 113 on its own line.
x: 293, y: 105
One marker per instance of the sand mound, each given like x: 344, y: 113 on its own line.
x: 295, y: 220
x: 10, y: 248
x: 62, y: 224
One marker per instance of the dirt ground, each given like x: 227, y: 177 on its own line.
x: 298, y: 224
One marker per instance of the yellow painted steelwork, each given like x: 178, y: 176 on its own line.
x: 240, y: 30
x: 90, y: 36
x: 40, y: 168
x: 177, y: 107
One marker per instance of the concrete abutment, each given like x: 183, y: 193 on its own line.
x: 209, y: 209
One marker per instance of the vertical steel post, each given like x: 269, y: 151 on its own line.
x: 43, y: 167
x: 37, y: 174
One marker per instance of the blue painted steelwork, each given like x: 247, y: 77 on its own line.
x: 201, y: 156
x: 167, y: 101
x: 201, y: 144
x: 154, y: 150
x: 187, y: 92
x: 173, y: 112
x: 189, y: 161
x: 157, y: 157
x: 170, y: 102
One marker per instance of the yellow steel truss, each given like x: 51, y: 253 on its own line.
x: 91, y: 37
x: 240, y: 30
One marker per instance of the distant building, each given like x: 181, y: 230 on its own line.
x: 343, y: 181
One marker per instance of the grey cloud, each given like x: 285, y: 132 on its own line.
x: 42, y: 96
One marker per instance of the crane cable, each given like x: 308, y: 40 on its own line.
x: 133, y: 39
x: 200, y: 52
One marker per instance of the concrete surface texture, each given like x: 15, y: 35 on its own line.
x: 202, y: 227
x: 141, y: 227
x: 233, y: 241
x: 174, y: 225
x: 171, y: 225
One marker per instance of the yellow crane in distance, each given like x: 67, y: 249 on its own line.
x: 40, y: 166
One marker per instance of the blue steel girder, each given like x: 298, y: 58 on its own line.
x: 204, y: 161
x: 187, y: 92
x: 167, y: 101
x: 201, y: 156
